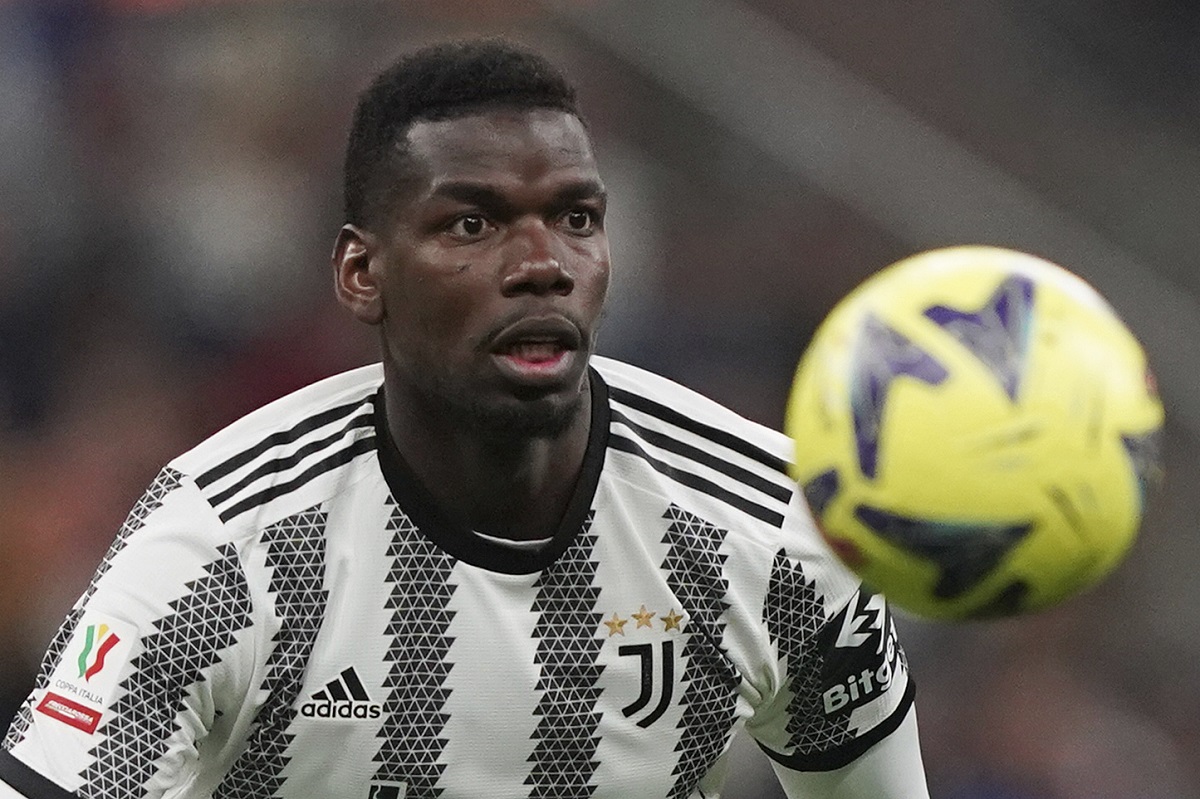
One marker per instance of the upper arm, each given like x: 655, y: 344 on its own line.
x: 127, y: 685
x: 840, y: 682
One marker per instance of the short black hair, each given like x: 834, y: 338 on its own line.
x: 441, y: 81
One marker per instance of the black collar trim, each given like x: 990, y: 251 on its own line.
x: 415, y: 500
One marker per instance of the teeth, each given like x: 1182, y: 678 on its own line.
x: 535, y: 350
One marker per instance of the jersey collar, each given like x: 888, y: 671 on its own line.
x: 415, y: 501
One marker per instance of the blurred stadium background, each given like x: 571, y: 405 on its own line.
x: 169, y: 191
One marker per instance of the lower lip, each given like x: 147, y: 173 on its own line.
x: 543, y: 370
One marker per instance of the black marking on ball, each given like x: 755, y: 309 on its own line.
x: 821, y: 490
x: 965, y: 553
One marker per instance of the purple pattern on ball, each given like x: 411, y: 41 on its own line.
x: 998, y: 333
x: 881, y: 355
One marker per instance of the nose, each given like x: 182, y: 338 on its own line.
x: 536, y: 268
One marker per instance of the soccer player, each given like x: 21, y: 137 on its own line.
x: 493, y: 565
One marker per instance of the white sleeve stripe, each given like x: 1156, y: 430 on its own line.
x: 721, y: 437
x: 339, y: 458
x: 289, y: 436
x: 283, y: 463
x: 694, y: 481
x: 780, y: 491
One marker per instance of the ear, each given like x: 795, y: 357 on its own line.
x: 356, y: 286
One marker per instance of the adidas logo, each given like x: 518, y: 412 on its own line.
x: 342, y: 698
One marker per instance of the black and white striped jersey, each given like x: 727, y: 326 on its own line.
x: 285, y: 613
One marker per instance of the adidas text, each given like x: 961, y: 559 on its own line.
x: 340, y: 710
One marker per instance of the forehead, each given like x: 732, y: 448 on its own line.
x: 499, y: 146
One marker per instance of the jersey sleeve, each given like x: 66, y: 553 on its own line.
x: 130, y: 684
x: 841, y: 680
x: 891, y: 769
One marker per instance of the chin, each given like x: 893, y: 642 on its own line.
x: 538, y: 418
x: 500, y: 410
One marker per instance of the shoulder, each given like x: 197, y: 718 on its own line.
x: 697, y: 446
x: 284, y: 444
x: 666, y: 403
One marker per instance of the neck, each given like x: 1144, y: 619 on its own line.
x: 515, y: 487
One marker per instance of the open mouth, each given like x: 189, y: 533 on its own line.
x: 537, y: 347
x: 534, y: 351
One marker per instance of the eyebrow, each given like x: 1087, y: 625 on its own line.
x: 586, y: 189
x: 488, y: 198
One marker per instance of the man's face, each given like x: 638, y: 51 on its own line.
x: 493, y: 269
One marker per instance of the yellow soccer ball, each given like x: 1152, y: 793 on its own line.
x: 976, y: 432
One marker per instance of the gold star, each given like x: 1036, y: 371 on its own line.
x: 671, y: 621
x: 616, y: 625
x: 643, y: 617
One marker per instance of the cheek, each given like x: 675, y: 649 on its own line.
x: 430, y: 316
x: 598, y: 282
x: 591, y: 265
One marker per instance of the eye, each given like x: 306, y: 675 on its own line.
x: 469, y: 226
x: 580, y: 220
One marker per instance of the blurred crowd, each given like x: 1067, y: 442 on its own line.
x: 169, y: 192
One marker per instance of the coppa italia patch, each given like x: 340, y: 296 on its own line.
x: 82, y: 685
